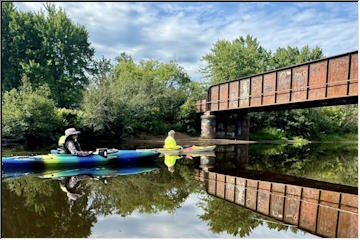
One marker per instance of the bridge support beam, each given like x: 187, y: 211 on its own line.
x: 208, y: 126
x: 235, y: 126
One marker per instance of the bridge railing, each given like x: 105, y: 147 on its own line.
x: 329, y: 78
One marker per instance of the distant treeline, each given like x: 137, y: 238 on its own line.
x: 51, y: 81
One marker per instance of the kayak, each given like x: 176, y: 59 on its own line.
x: 189, y: 150
x: 54, y: 159
x: 99, y: 172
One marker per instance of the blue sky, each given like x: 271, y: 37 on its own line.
x: 186, y: 31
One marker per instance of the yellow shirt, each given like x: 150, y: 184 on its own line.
x: 170, y: 143
x: 170, y: 160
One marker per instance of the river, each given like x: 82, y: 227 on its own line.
x: 232, y: 193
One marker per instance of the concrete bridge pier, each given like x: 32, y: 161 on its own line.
x: 208, y: 126
x: 235, y: 126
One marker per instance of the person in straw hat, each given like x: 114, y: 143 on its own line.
x: 68, y: 143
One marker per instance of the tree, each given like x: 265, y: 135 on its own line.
x: 141, y: 97
x: 46, y: 47
x: 229, y: 60
x: 284, y: 57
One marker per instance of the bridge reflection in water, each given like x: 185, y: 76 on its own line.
x: 320, y: 211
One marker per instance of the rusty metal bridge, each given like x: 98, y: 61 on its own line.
x: 327, y: 81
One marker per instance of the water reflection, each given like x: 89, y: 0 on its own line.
x: 323, y: 208
x: 167, y: 201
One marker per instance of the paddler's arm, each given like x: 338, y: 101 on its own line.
x: 72, y: 148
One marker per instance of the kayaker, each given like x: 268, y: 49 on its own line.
x: 170, y: 161
x: 170, y: 142
x: 69, y: 144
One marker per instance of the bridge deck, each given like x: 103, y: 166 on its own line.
x: 313, y: 83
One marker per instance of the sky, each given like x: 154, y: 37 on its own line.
x: 187, y: 31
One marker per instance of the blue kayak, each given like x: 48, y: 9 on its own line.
x: 103, y: 171
x: 59, y: 160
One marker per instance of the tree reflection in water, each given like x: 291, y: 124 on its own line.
x: 223, y: 216
x: 34, y: 207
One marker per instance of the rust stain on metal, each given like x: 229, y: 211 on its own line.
x: 256, y: 85
x: 240, y: 191
x: 223, y: 96
x: 299, y: 84
x: 326, y: 223
x: 348, y: 221
x: 283, y: 88
x: 244, y: 93
x: 234, y: 89
x: 264, y: 197
x: 269, y: 88
x: 338, y: 75
x: 308, y: 214
x: 251, y: 193
x: 354, y: 75
x: 214, y: 98
x: 317, y: 80
x: 292, y: 204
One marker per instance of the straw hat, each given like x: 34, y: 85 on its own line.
x: 71, y: 131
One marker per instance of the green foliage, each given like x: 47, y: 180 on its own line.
x: 268, y: 134
x: 44, y: 210
x: 47, y: 48
x: 229, y: 60
x: 150, y: 97
x: 69, y: 117
x: 335, y: 163
x: 28, y: 113
x: 284, y: 57
x: 307, y: 123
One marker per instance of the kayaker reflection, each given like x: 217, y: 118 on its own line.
x: 170, y: 142
x: 68, y: 143
x: 69, y: 185
x: 170, y: 161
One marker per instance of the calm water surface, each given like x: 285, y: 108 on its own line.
x: 153, y: 201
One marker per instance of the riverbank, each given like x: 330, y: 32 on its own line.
x: 185, y: 139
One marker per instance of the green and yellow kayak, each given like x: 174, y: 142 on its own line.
x: 113, y: 157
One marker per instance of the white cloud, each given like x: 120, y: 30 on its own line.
x: 186, y: 31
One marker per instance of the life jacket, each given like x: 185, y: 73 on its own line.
x: 62, y: 145
x: 170, y: 143
x: 61, y: 142
x: 170, y: 160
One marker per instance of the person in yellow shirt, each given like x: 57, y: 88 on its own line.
x: 170, y: 161
x: 170, y: 142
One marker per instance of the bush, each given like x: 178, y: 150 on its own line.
x: 268, y: 134
x: 308, y: 123
x: 29, y: 114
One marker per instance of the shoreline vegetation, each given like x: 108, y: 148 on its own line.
x: 50, y: 84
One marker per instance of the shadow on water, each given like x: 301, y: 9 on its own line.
x: 43, y: 205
